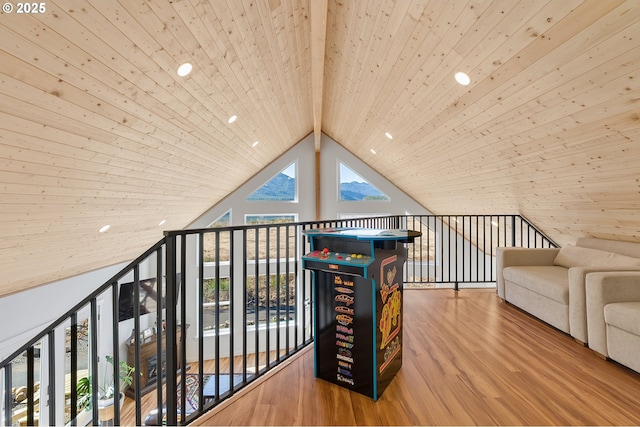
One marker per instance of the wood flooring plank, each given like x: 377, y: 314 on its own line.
x: 469, y: 359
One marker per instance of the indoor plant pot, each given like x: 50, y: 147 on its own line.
x: 106, y: 391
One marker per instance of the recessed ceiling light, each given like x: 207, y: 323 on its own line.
x: 104, y: 228
x: 232, y: 119
x: 373, y: 151
x: 162, y: 222
x: 462, y: 78
x: 184, y: 69
x: 388, y: 135
x: 255, y: 143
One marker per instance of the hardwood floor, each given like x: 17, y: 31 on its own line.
x: 469, y: 359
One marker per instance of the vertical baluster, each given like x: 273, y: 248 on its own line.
x: 245, y: 273
x: 138, y: 343
x: 267, y: 275
x: 463, y: 241
x: 300, y: 311
x: 8, y: 397
x: 287, y: 292
x: 301, y: 243
x: 170, y: 332
x: 160, y: 304
x: 477, y: 221
x: 217, y: 319
x: 429, y: 243
x: 440, y: 265
x: 232, y: 323
x: 93, y: 337
x: 256, y: 300
x: 493, y: 245
x: 182, y: 344
x: 453, y: 258
x: 278, y: 282
x: 116, y: 353
x: 74, y: 368
x: 200, y: 314
x: 51, y: 363
x: 30, y: 386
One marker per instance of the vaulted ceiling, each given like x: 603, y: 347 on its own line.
x: 97, y: 128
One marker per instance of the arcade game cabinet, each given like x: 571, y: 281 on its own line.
x: 357, y: 289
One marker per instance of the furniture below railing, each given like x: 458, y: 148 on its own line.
x: 149, y: 370
x: 214, y: 309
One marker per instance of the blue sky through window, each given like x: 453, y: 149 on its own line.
x: 280, y: 188
x: 347, y: 175
x: 290, y: 171
x: 354, y: 187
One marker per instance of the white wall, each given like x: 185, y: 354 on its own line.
x: 26, y: 313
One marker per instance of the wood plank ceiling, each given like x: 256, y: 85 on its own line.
x: 97, y: 128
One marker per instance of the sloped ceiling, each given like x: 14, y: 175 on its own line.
x: 97, y: 128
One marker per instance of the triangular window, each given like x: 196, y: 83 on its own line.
x: 223, y: 220
x: 354, y: 187
x: 280, y: 188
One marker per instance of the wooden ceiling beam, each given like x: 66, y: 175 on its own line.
x: 318, y: 14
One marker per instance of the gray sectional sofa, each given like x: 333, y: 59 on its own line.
x: 613, y: 310
x: 551, y: 284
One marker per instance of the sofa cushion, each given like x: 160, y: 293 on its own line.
x: 550, y: 281
x: 631, y: 249
x: 576, y: 256
x: 623, y: 315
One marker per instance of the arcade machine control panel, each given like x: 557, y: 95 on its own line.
x: 324, y: 259
x: 350, y: 251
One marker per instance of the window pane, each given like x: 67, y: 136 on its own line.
x: 353, y: 187
x: 279, y: 237
x: 275, y: 303
x: 223, y: 221
x: 210, y: 305
x: 269, y: 219
x: 281, y: 187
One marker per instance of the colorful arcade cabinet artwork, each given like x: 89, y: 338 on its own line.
x: 357, y: 278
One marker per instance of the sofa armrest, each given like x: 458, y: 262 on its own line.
x: 508, y: 257
x: 578, y: 297
x: 603, y: 288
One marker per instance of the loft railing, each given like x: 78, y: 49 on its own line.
x: 460, y: 250
x: 218, y: 308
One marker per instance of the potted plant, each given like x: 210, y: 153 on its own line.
x: 125, y: 373
x: 106, y: 392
